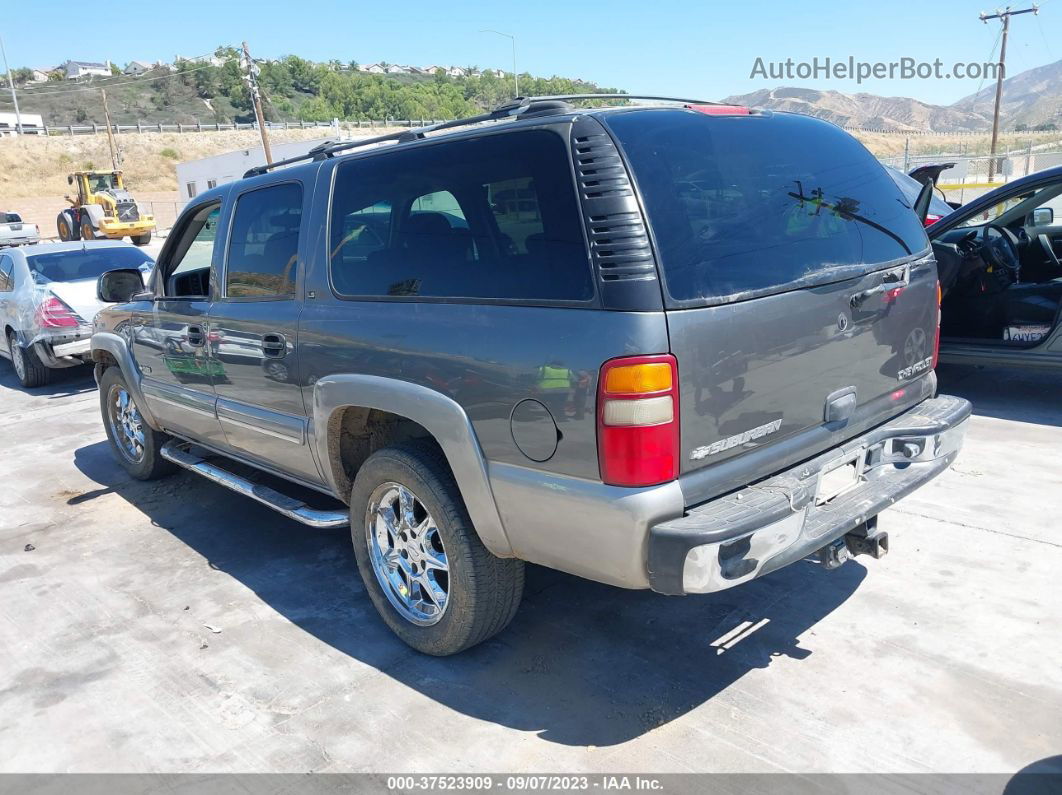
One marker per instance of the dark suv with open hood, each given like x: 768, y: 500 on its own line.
x: 671, y: 347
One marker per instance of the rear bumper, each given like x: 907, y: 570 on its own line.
x: 777, y: 521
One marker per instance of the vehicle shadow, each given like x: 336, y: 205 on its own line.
x: 582, y: 664
x: 67, y: 382
x: 1006, y: 393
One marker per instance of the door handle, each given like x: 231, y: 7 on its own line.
x: 274, y: 345
x: 196, y: 338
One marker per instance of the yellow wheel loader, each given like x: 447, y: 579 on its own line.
x: 103, y: 209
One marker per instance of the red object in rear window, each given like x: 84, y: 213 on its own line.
x: 632, y: 454
x: 53, y: 313
x: 721, y: 110
x: 931, y: 219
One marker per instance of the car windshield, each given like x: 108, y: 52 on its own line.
x: 1044, y: 197
x: 69, y: 266
x: 11, y: 218
x: 756, y: 204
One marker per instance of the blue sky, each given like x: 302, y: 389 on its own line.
x: 702, y: 49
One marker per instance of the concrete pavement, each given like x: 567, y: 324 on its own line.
x: 944, y: 656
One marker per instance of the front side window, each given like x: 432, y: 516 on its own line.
x: 1049, y: 197
x: 754, y: 204
x: 190, y: 275
x: 492, y: 217
x: 264, y: 243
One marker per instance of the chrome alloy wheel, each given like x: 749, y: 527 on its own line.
x: 407, y: 555
x: 17, y: 360
x: 127, y: 426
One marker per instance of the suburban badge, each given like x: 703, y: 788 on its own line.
x: 735, y: 440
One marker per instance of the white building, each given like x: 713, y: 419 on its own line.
x: 40, y: 74
x: 138, y: 67
x: 75, y: 70
x: 9, y: 123
x: 395, y: 69
x: 196, y: 176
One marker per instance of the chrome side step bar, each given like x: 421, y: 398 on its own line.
x: 178, y: 453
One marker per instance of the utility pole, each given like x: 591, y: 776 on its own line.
x: 116, y: 160
x: 256, y: 96
x: 11, y: 85
x: 512, y: 38
x: 1005, y: 16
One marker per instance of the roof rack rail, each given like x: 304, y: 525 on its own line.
x: 520, y: 106
x: 329, y: 148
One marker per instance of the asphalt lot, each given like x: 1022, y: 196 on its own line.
x: 944, y: 656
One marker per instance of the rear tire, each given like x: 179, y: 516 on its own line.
x: 134, y: 443
x: 481, y: 592
x: 141, y: 240
x: 28, y: 366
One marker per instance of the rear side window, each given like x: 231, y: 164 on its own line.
x: 493, y: 217
x: 264, y: 243
x: 749, y: 205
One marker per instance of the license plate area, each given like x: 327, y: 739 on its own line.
x: 840, y: 476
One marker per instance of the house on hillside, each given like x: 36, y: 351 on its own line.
x: 75, y: 70
x: 212, y: 60
x: 40, y: 74
x: 395, y: 69
x: 372, y: 68
x: 138, y: 67
x: 455, y: 71
x: 430, y: 70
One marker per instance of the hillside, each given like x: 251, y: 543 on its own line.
x: 294, y: 89
x: 1030, y: 98
x: 865, y: 110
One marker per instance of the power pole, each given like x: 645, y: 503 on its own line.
x: 256, y: 96
x: 1005, y: 16
x: 116, y: 160
x: 11, y: 85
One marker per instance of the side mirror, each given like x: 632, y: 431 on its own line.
x: 119, y: 286
x: 1043, y: 216
x: 69, y: 179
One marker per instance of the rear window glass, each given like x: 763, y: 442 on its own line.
x: 750, y: 205
x: 492, y: 217
x: 70, y: 266
x: 10, y: 218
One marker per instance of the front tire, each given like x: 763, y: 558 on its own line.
x: 427, y: 572
x: 134, y: 443
x: 141, y: 240
x: 28, y: 366
x: 87, y: 232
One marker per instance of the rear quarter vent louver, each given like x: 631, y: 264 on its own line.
x: 619, y: 242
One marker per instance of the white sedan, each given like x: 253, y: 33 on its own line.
x: 48, y: 302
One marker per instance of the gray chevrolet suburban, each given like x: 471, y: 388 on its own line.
x: 673, y: 346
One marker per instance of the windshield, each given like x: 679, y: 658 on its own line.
x: 1044, y: 197
x: 69, y: 266
x: 101, y: 182
x: 750, y: 204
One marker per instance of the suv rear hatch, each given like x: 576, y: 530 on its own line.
x: 800, y: 290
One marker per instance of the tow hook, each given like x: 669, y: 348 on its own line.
x: 863, y: 540
x: 868, y: 540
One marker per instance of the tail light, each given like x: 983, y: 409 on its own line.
x: 53, y: 313
x: 638, y: 420
x: 931, y: 219
x: 936, y: 338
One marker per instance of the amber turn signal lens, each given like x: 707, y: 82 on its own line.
x: 636, y: 379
